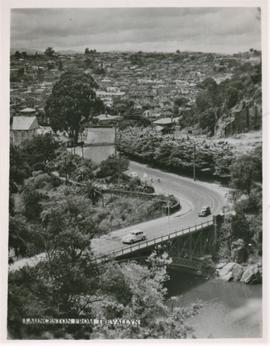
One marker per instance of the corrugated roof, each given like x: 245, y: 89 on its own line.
x: 24, y: 123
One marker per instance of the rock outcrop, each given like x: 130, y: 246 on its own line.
x: 225, y: 273
x: 248, y: 273
x: 237, y: 272
x: 251, y: 274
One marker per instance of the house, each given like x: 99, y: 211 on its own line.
x: 150, y: 114
x: 23, y: 128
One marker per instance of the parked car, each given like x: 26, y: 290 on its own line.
x: 205, y: 211
x: 134, y: 237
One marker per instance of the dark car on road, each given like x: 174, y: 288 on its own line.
x: 205, y: 211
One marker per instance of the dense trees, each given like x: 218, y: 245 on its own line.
x: 207, y: 120
x: 39, y: 150
x: 49, y: 52
x: 247, y: 170
x: 19, y: 169
x: 232, y: 95
x: 88, y: 51
x: 112, y: 167
x: 216, y: 101
x: 164, y: 151
x: 35, y: 191
x: 63, y: 287
x: 18, y: 235
x: 60, y: 284
x: 246, y: 178
x: 19, y: 55
x: 244, y: 173
x: 72, y: 103
x: 66, y: 217
x: 179, y: 102
x: 207, y: 102
x: 33, y: 155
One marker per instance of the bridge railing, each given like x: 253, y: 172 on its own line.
x: 154, y: 241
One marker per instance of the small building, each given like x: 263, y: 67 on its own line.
x: 23, y: 128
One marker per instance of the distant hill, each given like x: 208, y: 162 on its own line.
x: 33, y: 51
x: 28, y: 51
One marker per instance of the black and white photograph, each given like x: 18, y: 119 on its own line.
x: 135, y: 172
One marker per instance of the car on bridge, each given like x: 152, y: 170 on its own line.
x: 134, y: 237
x: 205, y: 211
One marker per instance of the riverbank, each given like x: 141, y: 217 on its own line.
x: 248, y: 273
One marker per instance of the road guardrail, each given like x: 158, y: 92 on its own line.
x: 154, y: 241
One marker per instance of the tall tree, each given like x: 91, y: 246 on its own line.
x: 49, y: 52
x: 72, y: 102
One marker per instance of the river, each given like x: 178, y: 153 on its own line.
x: 229, y: 309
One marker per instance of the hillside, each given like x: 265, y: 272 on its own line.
x: 230, y: 107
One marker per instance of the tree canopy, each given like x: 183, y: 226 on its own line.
x: 49, y: 52
x: 72, y: 103
x: 247, y: 170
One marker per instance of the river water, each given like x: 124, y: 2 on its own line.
x: 229, y: 309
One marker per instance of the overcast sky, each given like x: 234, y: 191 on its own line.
x: 225, y: 30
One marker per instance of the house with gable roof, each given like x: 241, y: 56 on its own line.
x: 23, y: 128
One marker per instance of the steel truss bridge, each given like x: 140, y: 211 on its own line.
x: 188, y: 247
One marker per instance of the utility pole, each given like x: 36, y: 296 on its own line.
x: 82, y: 152
x: 215, y: 234
x: 117, y: 141
x: 168, y: 207
x: 194, y: 161
x: 66, y: 175
x: 82, y: 143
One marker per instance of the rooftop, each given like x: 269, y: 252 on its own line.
x: 21, y: 123
x: 28, y: 110
x: 164, y: 121
x: 107, y: 117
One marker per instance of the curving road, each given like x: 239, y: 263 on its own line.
x: 192, y: 195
